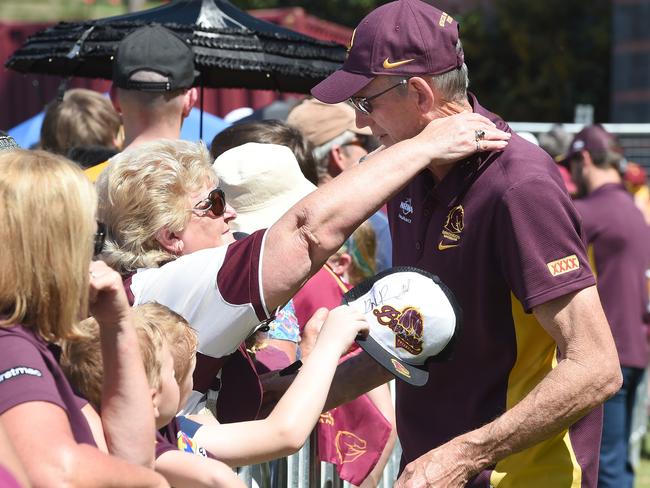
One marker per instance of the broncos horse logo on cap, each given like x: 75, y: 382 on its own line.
x: 407, y: 326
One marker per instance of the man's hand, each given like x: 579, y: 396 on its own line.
x: 445, y: 466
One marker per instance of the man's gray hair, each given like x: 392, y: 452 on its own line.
x: 321, y: 153
x: 453, y: 84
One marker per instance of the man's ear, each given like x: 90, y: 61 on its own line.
x: 586, y: 159
x: 115, y: 99
x: 170, y: 242
x: 155, y: 399
x: 425, y: 98
x: 191, y: 96
x: 336, y: 161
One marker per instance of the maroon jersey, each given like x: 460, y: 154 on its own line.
x: 618, y: 242
x: 172, y: 437
x: 219, y: 292
x: 502, y: 233
x: 29, y: 372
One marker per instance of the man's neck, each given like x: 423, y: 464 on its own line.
x: 601, y: 177
x: 137, y: 134
x: 446, y: 109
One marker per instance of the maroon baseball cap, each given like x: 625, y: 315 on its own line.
x: 403, y: 38
x: 594, y: 139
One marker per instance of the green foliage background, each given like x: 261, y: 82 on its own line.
x: 527, y: 60
x: 537, y: 60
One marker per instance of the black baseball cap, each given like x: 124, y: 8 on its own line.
x: 401, y: 38
x: 157, y: 49
x: 414, y: 320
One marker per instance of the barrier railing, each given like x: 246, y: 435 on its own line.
x: 634, y: 138
x: 304, y: 470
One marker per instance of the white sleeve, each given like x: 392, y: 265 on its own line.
x: 188, y: 286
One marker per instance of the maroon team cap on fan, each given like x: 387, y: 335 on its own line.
x: 403, y: 38
x: 595, y: 140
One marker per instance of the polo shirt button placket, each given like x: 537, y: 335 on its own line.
x: 418, y: 245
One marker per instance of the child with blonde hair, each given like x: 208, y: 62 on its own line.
x: 168, y: 346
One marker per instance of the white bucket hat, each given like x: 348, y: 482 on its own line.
x: 261, y: 182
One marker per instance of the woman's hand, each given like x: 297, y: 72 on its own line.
x: 450, y: 139
x: 107, y: 298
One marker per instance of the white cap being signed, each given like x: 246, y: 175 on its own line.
x: 414, y: 319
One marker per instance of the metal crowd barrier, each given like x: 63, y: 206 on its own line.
x: 304, y: 470
x: 634, y: 138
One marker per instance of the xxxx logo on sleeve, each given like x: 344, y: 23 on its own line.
x: 564, y: 265
x: 445, y: 18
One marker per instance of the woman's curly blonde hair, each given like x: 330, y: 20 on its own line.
x: 145, y: 190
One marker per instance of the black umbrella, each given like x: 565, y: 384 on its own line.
x: 232, y: 49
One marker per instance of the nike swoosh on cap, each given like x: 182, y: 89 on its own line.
x: 388, y: 65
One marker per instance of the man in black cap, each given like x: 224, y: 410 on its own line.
x: 517, y: 403
x: 153, y: 75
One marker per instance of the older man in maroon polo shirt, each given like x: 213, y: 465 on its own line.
x: 516, y: 406
x: 617, y: 237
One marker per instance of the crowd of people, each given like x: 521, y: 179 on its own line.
x: 169, y: 312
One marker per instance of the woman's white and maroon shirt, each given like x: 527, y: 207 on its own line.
x: 219, y: 292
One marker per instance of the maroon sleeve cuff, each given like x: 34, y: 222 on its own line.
x: 238, y: 279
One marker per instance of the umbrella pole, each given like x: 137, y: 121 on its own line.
x: 201, y: 118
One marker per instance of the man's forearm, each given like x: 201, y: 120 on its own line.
x: 588, y: 374
x: 354, y: 377
x: 565, y: 395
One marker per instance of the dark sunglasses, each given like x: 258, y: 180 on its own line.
x: 100, y: 238
x: 363, y: 105
x: 215, y: 202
